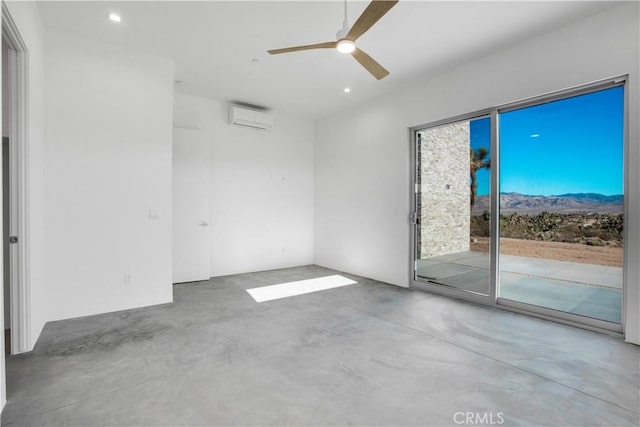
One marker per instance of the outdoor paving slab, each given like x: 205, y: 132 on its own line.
x: 610, y: 277
x: 429, y: 262
x: 480, y: 260
x: 599, y: 275
x: 598, y: 303
x: 604, y: 304
x: 585, y: 289
x: 474, y: 281
x: 453, y: 256
x: 443, y: 270
x: 538, y: 291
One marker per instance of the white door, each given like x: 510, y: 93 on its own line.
x: 191, y: 243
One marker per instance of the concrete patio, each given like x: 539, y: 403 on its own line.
x: 585, y: 289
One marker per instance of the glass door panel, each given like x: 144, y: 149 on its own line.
x: 561, y: 204
x: 453, y: 207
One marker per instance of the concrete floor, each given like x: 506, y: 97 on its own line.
x: 363, y: 354
x: 585, y: 289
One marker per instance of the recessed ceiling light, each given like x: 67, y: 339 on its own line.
x: 115, y: 17
x: 347, y: 89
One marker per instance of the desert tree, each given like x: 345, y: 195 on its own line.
x: 478, y: 160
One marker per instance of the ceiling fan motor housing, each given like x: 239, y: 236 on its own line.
x: 344, y: 30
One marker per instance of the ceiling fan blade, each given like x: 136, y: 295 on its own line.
x: 327, y: 45
x: 377, y: 70
x: 371, y: 15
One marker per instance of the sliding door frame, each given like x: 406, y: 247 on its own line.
x: 415, y: 222
x: 493, y: 299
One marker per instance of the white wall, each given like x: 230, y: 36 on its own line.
x: 261, y: 188
x: 362, y: 155
x: 107, y: 163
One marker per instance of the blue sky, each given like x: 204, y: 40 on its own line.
x: 574, y: 145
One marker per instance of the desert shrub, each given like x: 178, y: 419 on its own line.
x: 480, y: 225
x: 593, y: 229
x: 571, y: 232
x: 613, y: 225
x: 582, y: 228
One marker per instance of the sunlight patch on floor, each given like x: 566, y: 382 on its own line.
x: 301, y: 287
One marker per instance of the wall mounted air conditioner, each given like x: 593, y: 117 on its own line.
x: 244, y: 117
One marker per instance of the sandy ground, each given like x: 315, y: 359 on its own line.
x: 600, y: 255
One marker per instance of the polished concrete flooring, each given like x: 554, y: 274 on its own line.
x: 585, y: 289
x: 363, y: 354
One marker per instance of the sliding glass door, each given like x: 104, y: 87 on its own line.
x: 561, y: 204
x: 453, y: 212
x: 523, y: 206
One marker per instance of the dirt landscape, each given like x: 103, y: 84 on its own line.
x: 561, y: 251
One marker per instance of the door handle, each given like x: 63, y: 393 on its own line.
x: 413, y: 218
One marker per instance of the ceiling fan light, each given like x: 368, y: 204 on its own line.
x: 346, y: 46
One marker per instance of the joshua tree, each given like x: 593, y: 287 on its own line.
x: 478, y: 160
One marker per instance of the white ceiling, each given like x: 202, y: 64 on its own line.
x: 213, y: 43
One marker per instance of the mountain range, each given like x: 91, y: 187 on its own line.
x: 564, y: 203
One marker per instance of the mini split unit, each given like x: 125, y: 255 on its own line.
x: 253, y: 119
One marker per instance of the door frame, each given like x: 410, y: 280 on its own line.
x: 19, y: 163
x: 493, y: 299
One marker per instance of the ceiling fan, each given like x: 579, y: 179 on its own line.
x: 346, y: 37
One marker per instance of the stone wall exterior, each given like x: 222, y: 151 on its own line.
x: 445, y: 193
